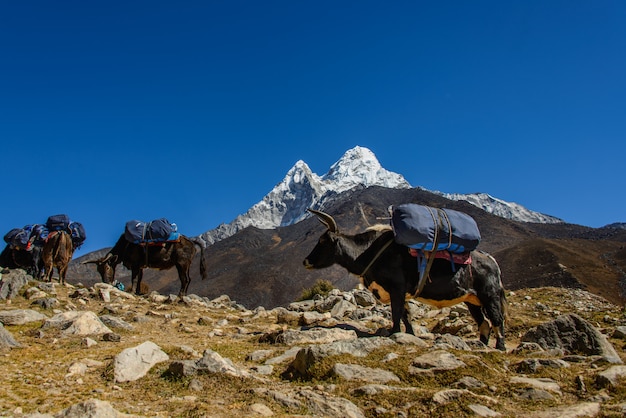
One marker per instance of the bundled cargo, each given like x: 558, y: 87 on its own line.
x: 77, y: 231
x: 24, y: 238
x: 159, y: 230
x: 17, y: 238
x: 432, y: 229
x: 58, y: 222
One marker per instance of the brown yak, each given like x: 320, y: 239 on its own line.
x: 57, y: 252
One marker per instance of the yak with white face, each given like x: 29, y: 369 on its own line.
x: 390, y: 272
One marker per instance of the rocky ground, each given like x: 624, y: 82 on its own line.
x: 71, y: 351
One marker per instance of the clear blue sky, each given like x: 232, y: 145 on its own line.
x: 194, y: 110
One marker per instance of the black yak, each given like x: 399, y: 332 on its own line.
x: 390, y: 271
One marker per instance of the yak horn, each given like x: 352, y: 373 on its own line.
x: 326, y: 219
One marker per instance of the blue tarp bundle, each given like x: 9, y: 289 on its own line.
x: 77, y: 231
x: 420, y: 227
x: 20, y: 237
x: 58, y: 222
x: 159, y: 230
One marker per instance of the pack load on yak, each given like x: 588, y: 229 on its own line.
x: 62, y: 222
x: 432, y: 229
x: 77, y: 231
x: 154, y: 232
x: 58, y: 222
x: 24, y: 238
x: 434, y: 233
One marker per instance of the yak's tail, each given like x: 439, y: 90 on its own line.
x: 203, y: 268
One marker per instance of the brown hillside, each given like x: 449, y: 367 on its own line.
x: 264, y: 267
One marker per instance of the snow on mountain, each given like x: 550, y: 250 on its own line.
x: 301, y: 189
x: 498, y: 207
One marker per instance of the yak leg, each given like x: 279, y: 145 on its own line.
x: 135, y: 281
x: 495, y: 313
x: 183, y: 275
x: 398, y: 312
x: 484, y: 328
x: 407, y: 322
x: 62, y: 272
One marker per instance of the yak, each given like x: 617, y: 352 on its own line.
x: 28, y: 260
x: 57, y: 252
x: 161, y: 256
x: 390, y: 272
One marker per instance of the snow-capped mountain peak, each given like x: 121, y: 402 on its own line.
x: 300, y: 189
x: 359, y: 166
x: 499, y: 207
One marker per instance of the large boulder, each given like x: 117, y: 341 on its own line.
x: 133, y: 363
x: 77, y: 323
x: 20, y: 316
x: 12, y: 282
x: 6, y: 339
x: 573, y: 334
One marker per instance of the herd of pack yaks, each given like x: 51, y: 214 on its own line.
x: 439, y: 265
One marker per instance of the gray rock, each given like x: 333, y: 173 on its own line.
x: 315, y: 336
x: 435, y: 361
x: 452, y: 395
x: 12, y: 282
x: 342, y: 308
x: 211, y: 362
x: 301, y: 306
x: 409, y: 339
x: 133, y: 363
x: 47, y: 303
x: 309, y: 356
x: 483, y: 411
x: 534, y: 394
x: 620, y: 332
x: 611, y: 376
x: 539, y: 383
x: 288, y: 355
x: 573, y: 334
x: 364, y: 298
x: 310, y: 318
x: 287, y: 400
x: 532, y: 365
x: 7, y: 340
x: 259, y: 355
x: 77, y: 323
x: 92, y: 408
x: 585, y: 409
x: 468, y: 382
x: 446, y: 341
x: 330, y: 406
x: 115, y: 322
x: 20, y: 316
x: 367, y: 374
x: 111, y: 337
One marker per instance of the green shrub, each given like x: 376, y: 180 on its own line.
x: 321, y: 287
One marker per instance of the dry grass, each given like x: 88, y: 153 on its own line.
x: 35, y: 377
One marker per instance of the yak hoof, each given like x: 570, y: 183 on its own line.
x: 500, y: 345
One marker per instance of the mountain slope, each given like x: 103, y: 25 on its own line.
x: 264, y: 267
